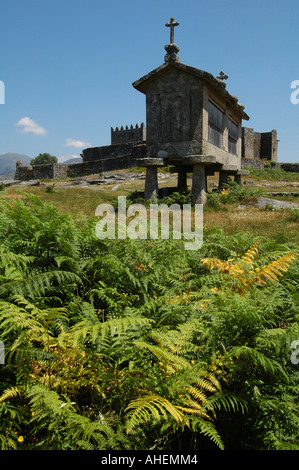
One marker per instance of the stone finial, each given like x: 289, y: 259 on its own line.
x: 172, y: 49
x: 221, y: 78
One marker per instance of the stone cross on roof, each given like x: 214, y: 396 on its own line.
x: 171, y: 48
x: 171, y: 25
x: 222, y: 76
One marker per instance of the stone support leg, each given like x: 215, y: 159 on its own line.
x: 199, y: 194
x: 223, y: 178
x: 151, y: 190
x: 238, y: 179
x: 182, y: 180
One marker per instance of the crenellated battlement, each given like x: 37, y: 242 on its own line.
x: 128, y: 134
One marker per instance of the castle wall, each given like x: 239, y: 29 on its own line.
x: 107, y: 164
x: 132, y: 134
x: 107, y: 152
x: 110, y: 162
x: 259, y: 145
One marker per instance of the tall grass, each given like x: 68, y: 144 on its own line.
x: 273, y: 174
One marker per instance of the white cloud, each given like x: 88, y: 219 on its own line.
x: 76, y: 143
x: 28, y: 125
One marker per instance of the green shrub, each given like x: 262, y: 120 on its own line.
x: 51, y: 188
x: 293, y: 215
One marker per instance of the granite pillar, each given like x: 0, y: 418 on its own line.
x: 151, y: 190
x: 182, y: 179
x: 237, y: 179
x: 199, y: 194
x: 223, y: 178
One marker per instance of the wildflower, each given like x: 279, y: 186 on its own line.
x: 225, y: 191
x: 20, y: 439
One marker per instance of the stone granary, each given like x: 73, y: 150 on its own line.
x: 192, y: 124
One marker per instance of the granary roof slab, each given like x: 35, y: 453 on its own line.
x: 143, y: 82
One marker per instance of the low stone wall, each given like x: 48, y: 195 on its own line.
x: 99, y: 166
x: 38, y: 172
x: 260, y: 165
x: 107, y: 164
x: 290, y: 167
x: 252, y: 163
x: 108, y: 151
x: 89, y: 167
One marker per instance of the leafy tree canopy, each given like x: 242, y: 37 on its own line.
x: 43, y: 158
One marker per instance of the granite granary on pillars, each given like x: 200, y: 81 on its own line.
x: 192, y: 124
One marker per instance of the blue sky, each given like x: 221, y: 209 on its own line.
x: 68, y: 65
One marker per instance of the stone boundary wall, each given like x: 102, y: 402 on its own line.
x: 252, y: 163
x: 73, y: 170
x: 132, y: 134
x: 107, y: 164
x: 35, y: 172
x: 290, y: 167
x: 106, y: 152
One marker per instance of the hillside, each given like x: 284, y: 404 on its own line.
x: 8, y: 162
x: 73, y: 160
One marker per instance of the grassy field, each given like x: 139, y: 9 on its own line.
x: 281, y: 225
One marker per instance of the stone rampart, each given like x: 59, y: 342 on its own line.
x: 111, y: 161
x: 128, y: 134
x: 106, y: 152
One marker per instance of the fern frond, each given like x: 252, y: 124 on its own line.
x: 113, y: 327
x: 208, y: 429
x: 275, y: 269
x: 172, y: 361
x: 196, y: 393
x: 251, y: 253
x: 259, y: 359
x: 227, y: 401
x: 10, y: 393
x: 39, y: 284
x: 215, y: 263
x: 143, y: 409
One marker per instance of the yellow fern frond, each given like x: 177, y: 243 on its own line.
x: 196, y: 393
x: 215, y: 263
x: 275, y: 269
x: 151, y: 405
x: 10, y: 393
x: 251, y: 253
x: 194, y: 411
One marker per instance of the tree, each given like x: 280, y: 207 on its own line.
x: 43, y: 158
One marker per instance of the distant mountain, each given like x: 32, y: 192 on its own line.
x: 73, y: 160
x: 8, y: 162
